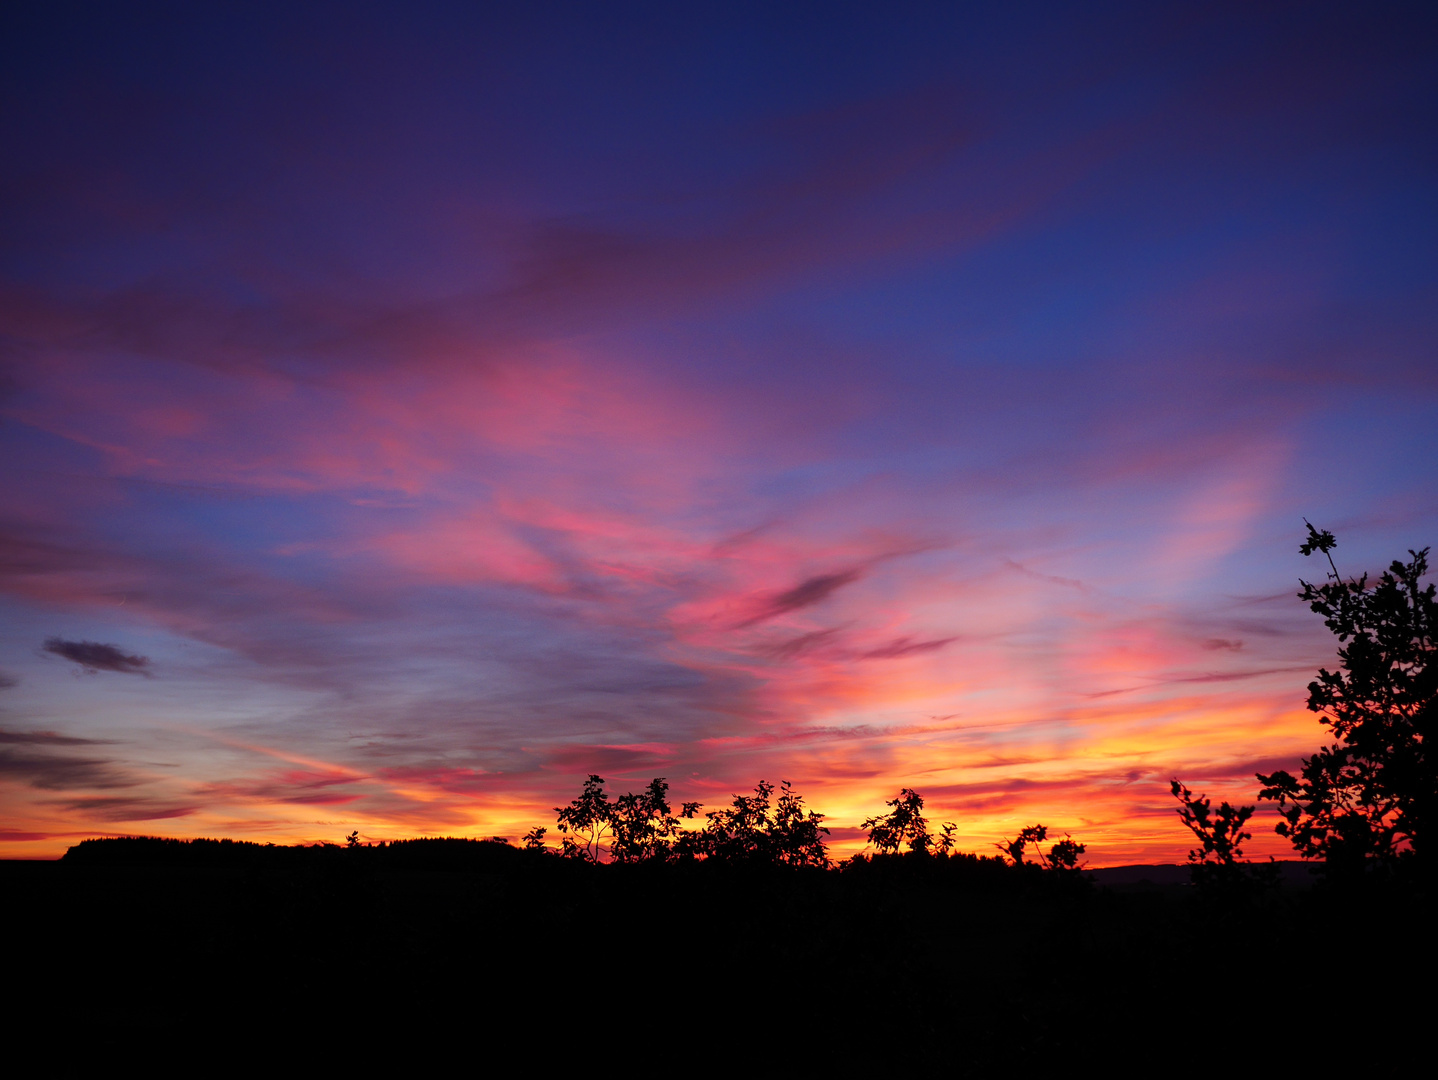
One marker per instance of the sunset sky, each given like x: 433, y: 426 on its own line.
x: 408, y: 410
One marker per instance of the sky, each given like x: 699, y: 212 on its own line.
x: 409, y: 410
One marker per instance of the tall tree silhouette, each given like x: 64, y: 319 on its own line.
x: 1368, y: 798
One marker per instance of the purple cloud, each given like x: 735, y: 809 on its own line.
x: 95, y: 657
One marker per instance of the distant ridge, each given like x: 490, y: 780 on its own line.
x: 1291, y: 873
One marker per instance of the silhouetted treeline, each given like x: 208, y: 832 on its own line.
x: 427, y: 853
x: 757, y: 829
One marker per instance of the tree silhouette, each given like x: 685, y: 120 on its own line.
x: 1063, y: 856
x: 1367, y: 798
x: 793, y: 832
x: 1216, y: 862
x: 945, y: 841
x: 643, y: 826
x: 755, y: 829
x: 1032, y: 834
x: 585, y: 819
x: 639, y: 825
x: 905, y: 823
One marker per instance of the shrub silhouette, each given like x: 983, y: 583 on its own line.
x: 1367, y: 798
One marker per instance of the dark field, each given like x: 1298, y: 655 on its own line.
x: 921, y: 959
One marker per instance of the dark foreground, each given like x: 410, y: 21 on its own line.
x: 960, y: 962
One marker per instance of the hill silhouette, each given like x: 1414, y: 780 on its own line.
x: 915, y: 957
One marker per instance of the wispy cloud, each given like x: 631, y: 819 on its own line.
x: 807, y: 593
x: 31, y: 758
x: 118, y: 808
x: 906, y: 646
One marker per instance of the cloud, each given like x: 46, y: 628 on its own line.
x: 44, y: 738
x: 1231, y: 644
x: 121, y: 808
x: 22, y: 759
x: 95, y: 657
x: 905, y: 646
x: 1234, y: 676
x: 807, y: 593
x: 300, y: 787
x: 796, y: 646
x: 1052, y: 579
x: 7, y: 681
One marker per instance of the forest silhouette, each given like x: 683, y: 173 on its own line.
x: 664, y: 930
